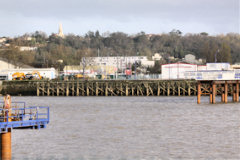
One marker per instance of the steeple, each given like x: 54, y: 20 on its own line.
x: 60, y: 31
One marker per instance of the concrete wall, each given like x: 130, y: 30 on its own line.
x: 5, y: 65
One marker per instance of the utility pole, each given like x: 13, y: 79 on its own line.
x: 136, y: 66
x: 216, y: 56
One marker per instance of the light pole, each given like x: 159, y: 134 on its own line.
x: 216, y: 56
x: 117, y: 68
x: 136, y: 66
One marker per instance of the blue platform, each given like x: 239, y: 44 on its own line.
x: 23, y: 117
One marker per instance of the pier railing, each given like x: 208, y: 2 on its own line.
x: 34, y: 117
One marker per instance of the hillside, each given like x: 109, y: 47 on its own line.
x: 72, y: 48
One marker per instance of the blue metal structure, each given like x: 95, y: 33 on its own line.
x: 23, y: 117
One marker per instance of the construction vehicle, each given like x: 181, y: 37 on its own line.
x: 35, y: 75
x: 18, y: 76
x: 80, y: 76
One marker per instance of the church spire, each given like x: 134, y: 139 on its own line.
x: 60, y: 31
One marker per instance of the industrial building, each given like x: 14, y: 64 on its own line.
x: 210, y: 71
x: 177, y: 70
x: 46, y: 73
x: 120, y: 62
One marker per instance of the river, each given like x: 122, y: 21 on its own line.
x: 131, y: 128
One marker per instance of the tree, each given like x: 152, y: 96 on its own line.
x: 225, y: 53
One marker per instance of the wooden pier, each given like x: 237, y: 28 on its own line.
x: 224, y: 88
x: 117, y: 88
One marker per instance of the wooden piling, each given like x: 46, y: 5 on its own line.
x: 6, y: 145
x: 96, y: 92
x: 48, y: 89
x: 57, y: 89
x: 211, y: 94
x: 106, y: 89
x: 67, y: 89
x: 214, y: 93
x: 237, y: 91
x: 233, y: 93
x: 43, y: 89
x: 189, y: 89
x: 87, y: 88
x: 225, y: 92
x: 147, y: 89
x: 179, y: 89
x: 77, y: 89
x: 222, y: 94
x: 158, y: 89
x: 126, y: 90
x: 37, y: 88
x: 199, y: 93
x: 168, y: 89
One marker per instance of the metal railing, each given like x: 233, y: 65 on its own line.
x: 32, y: 116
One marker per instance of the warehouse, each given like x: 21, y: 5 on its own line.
x: 177, y: 70
x: 46, y: 73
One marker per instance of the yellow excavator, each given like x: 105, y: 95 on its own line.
x: 18, y: 76
x: 35, y: 75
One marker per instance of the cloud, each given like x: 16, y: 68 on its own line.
x: 214, y: 15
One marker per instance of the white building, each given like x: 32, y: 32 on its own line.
x: 3, y: 39
x: 176, y: 70
x: 218, y: 66
x: 49, y: 73
x: 157, y: 57
x: 215, y: 71
x: 119, y: 62
x: 27, y: 48
x: 190, y: 58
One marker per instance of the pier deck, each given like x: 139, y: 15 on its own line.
x: 224, y: 88
x: 118, y: 88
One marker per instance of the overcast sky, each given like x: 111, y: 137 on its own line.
x: 130, y: 16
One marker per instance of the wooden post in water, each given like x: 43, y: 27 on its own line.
x: 222, y: 94
x: 214, y: 93
x: 87, y: 88
x: 158, y: 89
x: 147, y: 89
x: 48, y: 89
x: 96, y: 92
x: 106, y: 89
x: 57, y: 89
x: 226, y: 92
x: 168, y: 89
x: 189, y: 89
x: 67, y: 89
x: 73, y: 89
x: 37, y: 88
x: 132, y: 89
x: 211, y: 94
x: 83, y: 89
x: 121, y: 89
x: 126, y: 89
x: 77, y: 89
x: 237, y: 91
x: 6, y: 146
x: 233, y: 93
x: 179, y: 90
x: 199, y: 93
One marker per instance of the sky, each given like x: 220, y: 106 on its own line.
x: 18, y: 17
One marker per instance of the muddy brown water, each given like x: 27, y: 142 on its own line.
x: 131, y: 128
